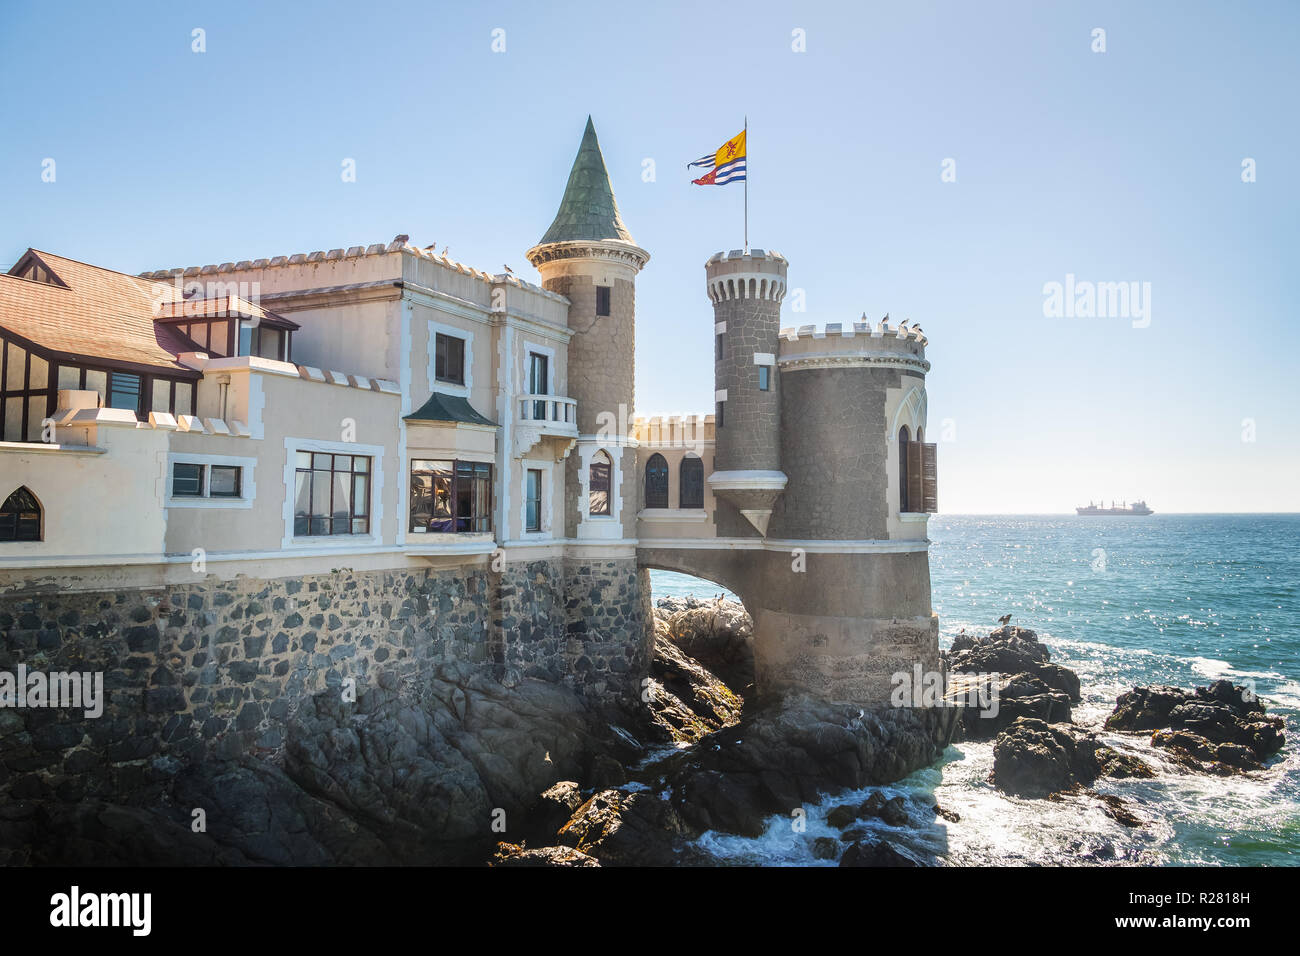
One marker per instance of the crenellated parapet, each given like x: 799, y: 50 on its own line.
x: 673, y: 430
x: 737, y: 274
x: 854, y: 344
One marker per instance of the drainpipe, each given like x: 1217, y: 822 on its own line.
x: 223, y: 383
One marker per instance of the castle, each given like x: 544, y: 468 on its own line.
x: 232, y: 484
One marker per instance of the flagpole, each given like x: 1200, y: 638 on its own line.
x: 746, y: 185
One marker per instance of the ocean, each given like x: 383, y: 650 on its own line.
x: 1124, y: 601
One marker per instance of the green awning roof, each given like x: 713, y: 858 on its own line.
x: 448, y: 408
x: 588, y: 209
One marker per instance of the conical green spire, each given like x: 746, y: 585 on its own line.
x: 588, y: 209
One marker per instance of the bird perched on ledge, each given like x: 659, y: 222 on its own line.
x: 1004, y: 620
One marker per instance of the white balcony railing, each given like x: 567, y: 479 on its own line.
x: 550, y: 411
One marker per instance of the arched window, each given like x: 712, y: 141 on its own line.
x: 656, y: 482
x: 599, y: 476
x: 691, y: 487
x: 904, y: 437
x: 20, y: 517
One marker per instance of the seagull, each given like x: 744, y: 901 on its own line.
x: 1004, y: 620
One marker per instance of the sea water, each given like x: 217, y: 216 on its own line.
x: 1123, y: 601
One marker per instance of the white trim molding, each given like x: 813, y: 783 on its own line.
x: 344, y: 541
x: 247, y: 482
x: 456, y: 332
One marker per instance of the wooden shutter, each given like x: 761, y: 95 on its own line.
x: 930, y: 478
x: 915, y: 485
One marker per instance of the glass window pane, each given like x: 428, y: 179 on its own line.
x: 360, y: 526
x: 361, y: 463
x: 342, y: 507
x: 162, y: 395
x: 187, y: 480
x: 304, y: 459
x: 13, y: 419
x: 301, y: 502
x: 320, y: 502
x: 124, y: 391
x: 35, y: 415
x: 97, y: 382
x: 39, y: 377
x: 245, y: 339
x: 200, y: 334
x: 360, y: 495
x: 15, y: 368
x: 342, y: 462
x: 322, y: 461
x: 183, y: 405
x: 223, y: 481
x: 69, y: 376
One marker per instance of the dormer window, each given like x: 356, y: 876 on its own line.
x: 264, y: 341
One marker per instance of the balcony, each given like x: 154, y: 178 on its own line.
x: 545, y: 417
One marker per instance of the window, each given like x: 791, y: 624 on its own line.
x: 449, y: 363
x: 331, y: 494
x: 656, y: 482
x: 187, y: 480
x: 538, y: 371
x: 533, y: 495
x: 223, y: 481
x: 123, y: 391
x: 602, y: 300
x: 262, y: 341
x: 718, y: 418
x: 449, y: 497
x: 599, y: 475
x: 904, y: 439
x: 197, y: 480
x: 764, y: 378
x: 691, y: 487
x: 20, y: 517
x: 719, y: 347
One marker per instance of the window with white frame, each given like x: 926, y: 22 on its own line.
x: 209, y: 481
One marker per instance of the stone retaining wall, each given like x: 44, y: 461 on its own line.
x: 223, y: 664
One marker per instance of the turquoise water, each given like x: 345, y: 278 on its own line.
x: 1173, y: 599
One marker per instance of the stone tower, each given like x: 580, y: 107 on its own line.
x: 589, y: 256
x: 746, y: 289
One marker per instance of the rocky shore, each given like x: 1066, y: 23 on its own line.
x: 466, y: 769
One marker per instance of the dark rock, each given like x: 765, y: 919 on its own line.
x: 1221, y: 728
x: 879, y: 853
x: 720, y: 636
x: 1032, y: 758
x: 510, y: 854
x: 624, y: 829
x: 826, y: 848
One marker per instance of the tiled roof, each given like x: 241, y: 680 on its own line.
x: 448, y: 408
x: 101, y: 315
x: 588, y: 210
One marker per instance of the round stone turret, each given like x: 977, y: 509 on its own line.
x: 746, y: 289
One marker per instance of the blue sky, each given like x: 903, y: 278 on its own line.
x: 1116, y: 166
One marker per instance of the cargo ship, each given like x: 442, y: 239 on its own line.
x: 1137, y: 508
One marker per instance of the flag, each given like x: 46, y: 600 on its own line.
x: 727, y: 165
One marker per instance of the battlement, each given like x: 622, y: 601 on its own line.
x: 737, y: 274
x: 673, y: 430
x: 400, y: 244
x: 860, y: 343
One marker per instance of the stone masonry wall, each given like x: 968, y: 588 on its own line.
x: 223, y: 664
